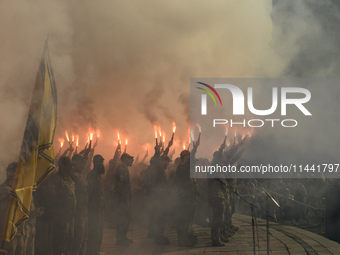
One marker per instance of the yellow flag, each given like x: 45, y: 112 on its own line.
x: 36, y: 159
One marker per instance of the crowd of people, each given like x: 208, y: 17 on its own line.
x: 71, y: 207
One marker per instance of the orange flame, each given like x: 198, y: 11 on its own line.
x: 163, y: 137
x: 66, y: 134
x: 98, y: 133
x: 156, y: 133
x: 91, y: 136
x: 77, y: 141
x: 173, y: 127
x: 72, y: 137
x: 61, y: 140
x: 160, y: 131
x: 126, y: 141
x: 183, y: 146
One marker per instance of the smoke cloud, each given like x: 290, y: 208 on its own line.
x: 126, y: 65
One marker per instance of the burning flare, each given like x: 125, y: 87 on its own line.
x: 173, y: 127
x: 61, y: 140
x: 72, y: 138
x: 226, y: 131
x: 118, y: 138
x: 156, y: 132
x: 98, y: 133
x: 77, y: 141
x: 67, y: 138
x: 160, y: 131
x: 91, y: 136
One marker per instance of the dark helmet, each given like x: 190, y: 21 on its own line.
x: 64, y: 161
x: 166, y: 158
x: 125, y: 156
x: 98, y: 158
x: 185, y: 153
x: 217, y: 154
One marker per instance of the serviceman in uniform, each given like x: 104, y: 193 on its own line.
x: 64, y: 201
x: 217, y: 199
x: 161, y: 193
x: 81, y: 217
x: 96, y: 205
x: 122, y: 190
x: 186, y: 193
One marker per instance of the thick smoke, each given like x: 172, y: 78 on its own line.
x: 122, y: 65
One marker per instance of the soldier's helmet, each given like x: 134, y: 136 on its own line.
x: 64, y: 162
x: 165, y: 157
x: 76, y: 158
x: 217, y: 154
x: 185, y: 153
x: 125, y: 156
x: 10, y: 170
x: 98, y: 158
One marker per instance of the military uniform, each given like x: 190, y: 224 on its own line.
x: 96, y: 205
x: 186, y: 193
x: 64, y: 201
x: 81, y: 219
x: 122, y: 190
x: 217, y: 199
x: 159, y: 196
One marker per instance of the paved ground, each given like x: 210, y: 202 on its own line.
x: 283, y: 240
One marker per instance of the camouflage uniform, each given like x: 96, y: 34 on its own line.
x: 186, y: 193
x: 81, y: 219
x: 43, y: 224
x: 96, y: 207
x: 217, y: 199
x: 122, y: 190
x: 160, y: 195
x: 64, y: 201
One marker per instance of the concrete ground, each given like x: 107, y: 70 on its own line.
x: 283, y: 240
